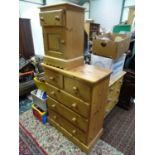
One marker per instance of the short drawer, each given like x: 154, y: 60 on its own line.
x: 111, y: 103
x: 63, y: 123
x: 77, y: 88
x: 53, y: 18
x: 113, y: 93
x: 68, y: 100
x: 71, y: 116
x: 119, y: 83
x: 116, y: 85
x: 113, y: 96
x: 115, y: 88
x: 54, y: 78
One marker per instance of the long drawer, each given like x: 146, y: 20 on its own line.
x: 68, y: 127
x: 68, y: 100
x: 71, y: 116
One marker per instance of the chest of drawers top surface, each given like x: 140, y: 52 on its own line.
x: 88, y: 73
x: 116, y: 78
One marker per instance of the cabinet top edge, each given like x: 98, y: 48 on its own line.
x: 67, y: 4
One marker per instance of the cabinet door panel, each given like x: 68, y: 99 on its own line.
x: 54, y: 41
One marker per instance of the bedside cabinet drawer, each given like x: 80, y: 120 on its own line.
x: 71, y: 116
x: 77, y: 88
x: 68, y: 100
x: 63, y: 123
x: 54, y: 78
x: 53, y: 18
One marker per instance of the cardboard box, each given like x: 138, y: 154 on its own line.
x: 116, y: 66
x: 111, y: 45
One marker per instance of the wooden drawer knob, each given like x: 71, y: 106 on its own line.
x: 57, y: 18
x: 52, y: 78
x: 73, y: 119
x: 74, y: 131
x: 42, y: 18
x: 52, y: 93
x: 53, y: 105
x: 74, y: 105
x: 54, y: 117
x: 109, y: 100
x: 62, y: 41
x: 75, y: 88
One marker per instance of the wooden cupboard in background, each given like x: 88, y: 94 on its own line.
x: 92, y: 29
x: 114, y: 89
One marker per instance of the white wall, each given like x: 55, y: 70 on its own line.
x: 106, y: 12
x: 129, y: 2
x: 31, y: 11
x: 57, y: 1
x: 87, y: 10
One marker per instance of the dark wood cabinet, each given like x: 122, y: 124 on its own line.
x: 26, y: 47
x: 92, y: 29
x: 127, y: 93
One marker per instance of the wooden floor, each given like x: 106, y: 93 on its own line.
x: 119, y: 130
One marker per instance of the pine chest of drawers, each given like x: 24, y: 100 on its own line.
x: 76, y: 102
x: 114, y: 91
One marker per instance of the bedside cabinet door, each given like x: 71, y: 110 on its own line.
x: 54, y: 41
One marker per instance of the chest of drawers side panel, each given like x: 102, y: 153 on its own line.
x: 98, y: 104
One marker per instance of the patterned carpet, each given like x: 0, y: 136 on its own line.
x: 28, y: 144
x: 24, y: 104
x: 119, y: 130
x: 46, y: 138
